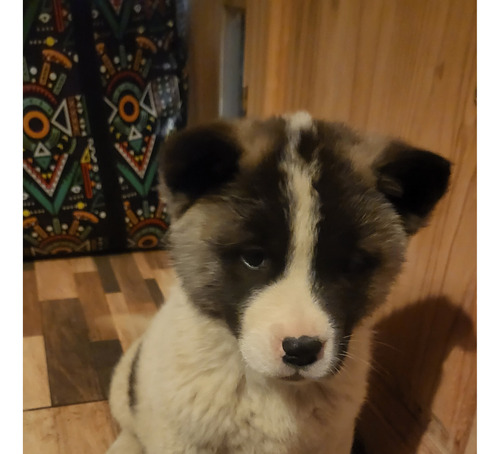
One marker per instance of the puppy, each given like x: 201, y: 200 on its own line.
x: 285, y: 236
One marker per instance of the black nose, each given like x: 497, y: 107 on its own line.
x: 301, y: 351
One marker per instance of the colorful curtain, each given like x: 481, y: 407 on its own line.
x: 104, y: 83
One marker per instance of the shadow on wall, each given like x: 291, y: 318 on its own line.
x: 410, y: 347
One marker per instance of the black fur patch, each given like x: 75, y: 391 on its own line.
x: 358, y: 447
x: 413, y: 180
x: 132, y: 380
x: 342, y: 269
x: 308, y: 143
x: 198, y: 161
x: 263, y: 223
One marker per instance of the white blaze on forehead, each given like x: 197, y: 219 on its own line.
x: 298, y: 121
x: 303, y: 198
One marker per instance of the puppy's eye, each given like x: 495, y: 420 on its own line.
x: 253, y: 258
x: 361, y: 262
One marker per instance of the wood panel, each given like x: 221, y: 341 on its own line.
x: 405, y: 68
x: 32, y: 321
x: 72, y: 377
x: 164, y: 278
x: 105, y: 356
x: 155, y: 291
x: 84, y: 428
x: 132, y: 284
x: 36, y: 393
x: 107, y: 274
x: 55, y: 279
x: 71, y: 345
x: 95, y: 306
x: 157, y: 259
x: 204, y: 60
x: 39, y: 432
x: 143, y: 265
x: 128, y: 326
x: 82, y: 264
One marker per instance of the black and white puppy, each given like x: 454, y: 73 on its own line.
x: 286, y: 235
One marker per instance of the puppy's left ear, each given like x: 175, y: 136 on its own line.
x: 413, y: 180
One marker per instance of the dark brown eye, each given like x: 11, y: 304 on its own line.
x: 360, y: 262
x: 253, y: 258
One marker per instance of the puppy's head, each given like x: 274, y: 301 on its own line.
x: 292, y: 230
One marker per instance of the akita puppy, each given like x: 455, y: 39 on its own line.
x: 285, y: 236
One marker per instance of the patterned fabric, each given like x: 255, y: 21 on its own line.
x: 103, y: 85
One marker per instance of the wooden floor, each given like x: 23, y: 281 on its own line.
x: 80, y: 314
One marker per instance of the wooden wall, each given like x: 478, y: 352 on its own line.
x: 406, y: 68
x: 204, y: 59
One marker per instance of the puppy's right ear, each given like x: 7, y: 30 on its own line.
x: 196, y: 162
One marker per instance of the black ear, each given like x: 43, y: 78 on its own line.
x: 196, y: 162
x: 413, y: 180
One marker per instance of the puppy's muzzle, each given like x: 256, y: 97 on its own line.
x: 301, y: 351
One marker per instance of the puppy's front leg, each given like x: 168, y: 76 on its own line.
x: 126, y: 443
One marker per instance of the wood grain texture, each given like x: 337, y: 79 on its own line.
x: 94, y: 304
x: 165, y: 278
x: 132, y: 284
x: 82, y: 264
x: 405, y: 68
x: 36, y: 392
x: 157, y: 259
x: 76, y: 429
x: 471, y: 447
x: 105, y: 355
x: 155, y: 291
x: 143, y: 265
x: 128, y: 326
x: 204, y: 60
x: 55, y: 280
x: 39, y: 432
x: 106, y: 273
x: 32, y: 321
x: 72, y: 377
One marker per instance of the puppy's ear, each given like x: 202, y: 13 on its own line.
x: 196, y: 162
x: 413, y: 180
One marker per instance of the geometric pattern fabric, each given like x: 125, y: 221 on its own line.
x: 103, y: 84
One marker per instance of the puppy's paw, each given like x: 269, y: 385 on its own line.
x: 126, y: 443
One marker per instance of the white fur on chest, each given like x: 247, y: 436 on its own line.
x: 195, y: 395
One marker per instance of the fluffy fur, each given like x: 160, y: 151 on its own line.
x: 290, y: 228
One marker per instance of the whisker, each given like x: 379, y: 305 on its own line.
x: 371, y: 364
x: 384, y: 344
x: 374, y: 340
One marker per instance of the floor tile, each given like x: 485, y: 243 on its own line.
x: 55, y: 280
x: 36, y: 392
x: 76, y: 429
x: 96, y: 309
x: 72, y: 377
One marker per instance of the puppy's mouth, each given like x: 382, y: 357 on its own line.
x: 293, y: 378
